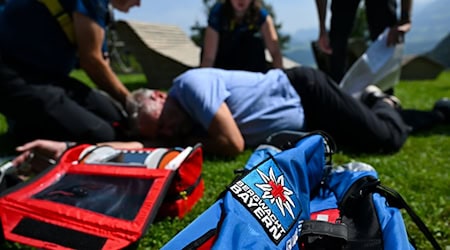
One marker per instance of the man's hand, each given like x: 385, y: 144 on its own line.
x: 396, y: 33
x: 324, y: 43
x: 46, y: 148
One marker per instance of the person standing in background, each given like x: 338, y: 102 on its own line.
x: 236, y: 37
x: 381, y: 14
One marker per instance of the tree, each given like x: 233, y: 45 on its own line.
x: 198, y: 30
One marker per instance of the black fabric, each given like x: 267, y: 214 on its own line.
x: 241, y: 51
x: 59, y: 235
x: 57, y: 108
x: 107, y: 195
x: 359, y: 214
x: 347, y: 120
x: 380, y: 15
x: 323, y: 235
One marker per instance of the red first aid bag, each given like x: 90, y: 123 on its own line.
x: 100, y: 197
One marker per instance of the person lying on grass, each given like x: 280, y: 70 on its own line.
x: 228, y: 111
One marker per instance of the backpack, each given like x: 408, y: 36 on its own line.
x: 296, y: 199
x: 99, y: 197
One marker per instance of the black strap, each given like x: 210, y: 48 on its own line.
x: 185, y: 193
x: 317, y: 227
x: 396, y: 200
x: 316, y: 234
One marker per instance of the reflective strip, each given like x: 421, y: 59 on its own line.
x: 63, y: 18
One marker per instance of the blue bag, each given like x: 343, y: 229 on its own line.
x: 295, y: 199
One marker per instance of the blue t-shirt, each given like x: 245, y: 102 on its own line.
x: 31, y: 36
x: 261, y: 104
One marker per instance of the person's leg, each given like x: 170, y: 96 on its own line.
x: 349, y: 122
x: 420, y: 120
x: 45, y: 111
x: 380, y: 15
x: 341, y: 24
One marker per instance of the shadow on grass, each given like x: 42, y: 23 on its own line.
x: 437, y: 130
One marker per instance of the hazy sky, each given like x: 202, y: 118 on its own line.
x: 293, y: 14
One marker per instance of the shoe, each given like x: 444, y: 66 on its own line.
x: 442, y: 106
x: 372, y: 94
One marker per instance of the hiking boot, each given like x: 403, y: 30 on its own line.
x: 372, y: 94
x: 442, y: 106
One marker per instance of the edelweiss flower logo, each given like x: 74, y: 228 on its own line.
x: 275, y: 191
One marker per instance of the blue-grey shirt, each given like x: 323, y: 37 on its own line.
x: 260, y: 103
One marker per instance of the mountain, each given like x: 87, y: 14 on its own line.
x: 429, y: 26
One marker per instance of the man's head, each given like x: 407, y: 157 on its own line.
x: 125, y: 5
x: 158, y: 115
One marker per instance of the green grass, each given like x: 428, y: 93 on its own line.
x: 420, y: 171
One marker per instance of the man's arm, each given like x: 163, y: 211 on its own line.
x: 323, y: 41
x: 397, y: 32
x: 90, y: 37
x: 224, y: 137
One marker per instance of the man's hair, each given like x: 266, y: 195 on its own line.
x: 139, y: 105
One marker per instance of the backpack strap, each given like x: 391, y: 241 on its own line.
x: 396, y: 200
x: 370, y: 184
x: 63, y: 18
x: 318, y: 234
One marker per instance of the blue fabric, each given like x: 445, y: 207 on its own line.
x: 390, y: 218
x: 264, y: 208
x: 239, y: 224
x: 394, y: 231
x: 32, y: 37
x: 217, y: 22
x: 261, y: 104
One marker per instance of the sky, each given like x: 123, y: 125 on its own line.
x: 292, y: 14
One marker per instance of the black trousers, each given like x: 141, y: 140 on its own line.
x: 348, y: 121
x: 57, y: 108
x: 380, y: 15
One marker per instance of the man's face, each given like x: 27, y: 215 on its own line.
x: 150, y: 108
x: 125, y: 5
x: 161, y: 116
x: 174, y: 122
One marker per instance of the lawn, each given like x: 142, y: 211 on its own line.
x: 420, y: 171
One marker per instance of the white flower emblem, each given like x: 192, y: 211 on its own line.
x: 276, y: 192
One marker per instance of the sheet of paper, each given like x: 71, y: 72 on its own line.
x: 379, y: 65
x: 378, y: 54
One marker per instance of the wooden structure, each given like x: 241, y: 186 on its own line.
x: 164, y: 51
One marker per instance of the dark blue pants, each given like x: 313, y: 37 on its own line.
x: 348, y: 121
x: 380, y: 15
x: 57, y: 108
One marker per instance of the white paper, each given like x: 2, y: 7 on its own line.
x: 379, y: 65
